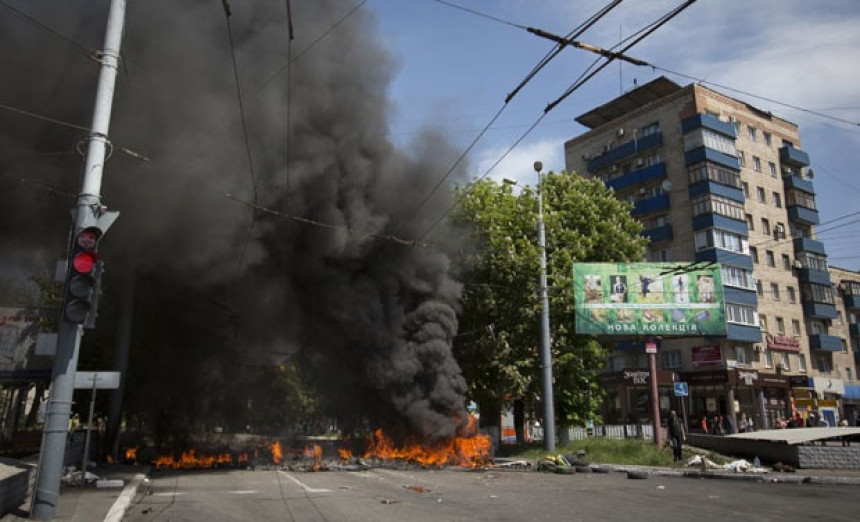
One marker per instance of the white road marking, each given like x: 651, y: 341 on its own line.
x: 244, y: 492
x: 305, y: 487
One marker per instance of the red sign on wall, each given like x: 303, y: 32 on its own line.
x: 707, y: 356
x: 782, y: 342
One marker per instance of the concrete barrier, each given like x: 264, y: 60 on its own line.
x: 14, y: 485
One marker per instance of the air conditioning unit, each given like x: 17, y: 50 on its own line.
x: 643, y: 191
x: 640, y: 162
x: 758, y: 348
x: 613, y: 168
x: 797, y: 264
x: 779, y: 228
x: 619, y: 132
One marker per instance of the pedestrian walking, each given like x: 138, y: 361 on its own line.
x: 676, y: 435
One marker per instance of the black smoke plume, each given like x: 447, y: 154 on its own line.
x: 242, y: 259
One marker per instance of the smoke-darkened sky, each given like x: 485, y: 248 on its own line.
x: 376, y: 316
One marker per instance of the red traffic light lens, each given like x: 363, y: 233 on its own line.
x: 83, y: 262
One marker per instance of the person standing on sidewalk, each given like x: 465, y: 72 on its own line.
x: 676, y: 435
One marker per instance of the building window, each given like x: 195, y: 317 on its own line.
x: 742, y: 356
x: 786, y: 262
x: 703, y: 137
x: 759, y: 288
x: 741, y: 314
x: 754, y: 254
x: 768, y: 359
x: 801, y: 199
x: 780, y: 326
x: 735, y: 276
x: 751, y: 131
x: 713, y: 172
x: 765, y: 226
x: 795, y: 327
x: 772, y: 168
x: 813, y: 261
x: 792, y: 297
x: 746, y: 187
x: 785, y: 363
x: 769, y: 257
x: 723, y: 239
x: 742, y: 159
x: 762, y: 197
x: 762, y: 322
x: 779, y: 231
x: 848, y: 376
x: 774, y: 291
x: 801, y: 362
x: 777, y: 199
x: 713, y: 204
x: 671, y: 359
x: 823, y: 364
x: 651, y: 128
x: 749, y: 220
x: 768, y: 139
x: 844, y: 346
x: 756, y: 163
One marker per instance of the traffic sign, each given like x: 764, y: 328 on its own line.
x: 681, y: 389
x: 650, y: 347
x: 98, y: 380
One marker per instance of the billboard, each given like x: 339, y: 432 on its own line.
x: 660, y: 299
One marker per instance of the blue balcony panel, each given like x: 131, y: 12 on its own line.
x: 797, y: 183
x: 638, y: 177
x: 733, y: 294
x: 624, y: 150
x: 809, y: 275
x: 825, y: 343
x: 649, y: 205
x: 705, y: 154
x: 854, y: 330
x: 819, y: 310
x: 711, y: 187
x: 804, y: 244
x: 659, y: 234
x: 788, y: 155
x: 742, y: 332
x: 852, y: 301
x: 803, y: 215
x: 722, y: 222
x: 708, y: 121
x: 726, y: 257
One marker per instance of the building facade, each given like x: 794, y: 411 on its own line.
x: 712, y: 178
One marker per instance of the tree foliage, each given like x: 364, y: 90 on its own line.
x: 498, y: 344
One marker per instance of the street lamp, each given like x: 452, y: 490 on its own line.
x: 545, y: 355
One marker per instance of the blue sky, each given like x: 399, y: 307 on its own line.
x: 455, y: 69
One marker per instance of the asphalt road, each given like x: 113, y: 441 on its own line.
x: 383, y: 495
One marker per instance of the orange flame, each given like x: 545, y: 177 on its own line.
x: 277, y: 452
x: 131, y: 453
x: 344, y: 453
x: 468, y: 451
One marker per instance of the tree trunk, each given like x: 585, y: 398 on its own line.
x: 520, y: 420
x: 490, y: 423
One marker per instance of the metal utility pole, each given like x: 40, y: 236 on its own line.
x: 545, y: 355
x: 88, y: 212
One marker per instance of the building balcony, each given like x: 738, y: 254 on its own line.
x: 852, y: 301
x: 743, y: 333
x: 803, y: 215
x: 701, y: 154
x: 725, y: 256
x: 817, y: 310
x: 854, y: 330
x: 797, y: 183
x: 809, y: 275
x: 638, y: 177
x: 708, y: 121
x: 722, y: 222
x: 658, y: 234
x: 711, y: 187
x: 624, y: 150
x: 649, y: 205
x: 788, y: 155
x: 804, y: 244
x: 825, y: 343
x: 733, y: 294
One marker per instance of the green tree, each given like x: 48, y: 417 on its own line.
x: 499, y: 329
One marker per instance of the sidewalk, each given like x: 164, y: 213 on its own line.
x: 91, y: 503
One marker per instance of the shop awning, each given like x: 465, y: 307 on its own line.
x: 852, y: 391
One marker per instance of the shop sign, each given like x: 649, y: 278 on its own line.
x: 703, y: 378
x: 707, y: 356
x: 798, y: 381
x: 637, y: 377
x: 772, y: 380
x: 747, y: 378
x: 782, y: 342
x: 826, y: 385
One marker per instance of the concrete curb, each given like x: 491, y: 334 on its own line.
x: 793, y: 478
x: 118, y: 509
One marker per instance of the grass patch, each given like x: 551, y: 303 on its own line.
x: 600, y: 450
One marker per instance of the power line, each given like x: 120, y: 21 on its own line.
x: 482, y: 15
x: 81, y: 49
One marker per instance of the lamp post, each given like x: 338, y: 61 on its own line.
x: 545, y: 355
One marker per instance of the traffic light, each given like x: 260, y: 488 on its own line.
x: 83, y: 278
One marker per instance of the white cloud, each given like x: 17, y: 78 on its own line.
x: 519, y: 164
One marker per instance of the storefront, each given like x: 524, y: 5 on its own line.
x: 828, y: 392
x: 761, y: 397
x: 851, y: 404
x: 628, y: 395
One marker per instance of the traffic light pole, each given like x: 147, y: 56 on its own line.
x: 88, y: 212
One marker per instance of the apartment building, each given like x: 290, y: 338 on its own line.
x: 712, y: 178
